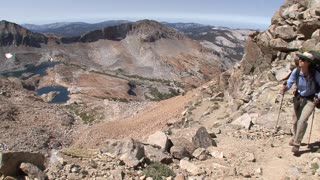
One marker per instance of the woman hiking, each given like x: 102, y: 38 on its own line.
x: 307, y: 79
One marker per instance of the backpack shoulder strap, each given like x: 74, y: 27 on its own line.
x: 315, y: 81
x: 297, y: 75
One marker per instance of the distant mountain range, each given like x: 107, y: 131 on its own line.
x: 79, y: 28
x: 72, y: 28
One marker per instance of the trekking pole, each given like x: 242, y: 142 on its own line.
x: 314, y: 111
x: 277, y: 119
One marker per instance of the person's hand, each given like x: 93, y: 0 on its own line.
x: 283, y: 89
x: 278, y: 98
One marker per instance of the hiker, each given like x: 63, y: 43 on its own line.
x: 307, y: 80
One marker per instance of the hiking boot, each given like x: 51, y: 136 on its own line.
x: 295, y: 149
x: 291, y: 142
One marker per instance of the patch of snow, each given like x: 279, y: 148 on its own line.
x: 8, y: 55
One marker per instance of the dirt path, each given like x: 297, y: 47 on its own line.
x: 142, y: 124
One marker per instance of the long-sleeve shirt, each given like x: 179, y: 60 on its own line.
x: 305, y: 88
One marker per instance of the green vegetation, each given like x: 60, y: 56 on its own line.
x: 158, y: 96
x: 156, y: 170
x: 80, y: 110
x: 79, y: 153
x: 118, y: 99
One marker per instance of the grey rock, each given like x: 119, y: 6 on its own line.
x: 307, y: 28
x: 250, y: 157
x: 192, y: 138
x: 309, y: 44
x: 282, y: 74
x: 295, y: 45
x: 215, y: 153
x: 75, y: 169
x: 200, y: 154
x: 244, y: 121
x: 316, y: 35
x: 259, y: 171
x: 179, y: 152
x: 159, y: 138
x: 32, y: 171
x: 129, y: 151
x: 291, y: 11
x: 155, y: 154
x: 279, y: 44
x: 285, y: 32
x: 10, y: 162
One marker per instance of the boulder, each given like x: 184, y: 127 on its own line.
x: 316, y: 35
x: 295, y: 45
x: 179, y: 152
x: 317, y: 47
x: 279, y: 44
x: 215, y: 153
x: 128, y: 150
x: 160, y: 139
x: 156, y: 155
x: 32, y: 171
x: 200, y: 154
x: 10, y: 162
x: 307, y: 28
x: 244, y: 121
x: 282, y: 74
x: 192, y: 138
x: 285, y: 32
x: 291, y: 12
x: 309, y: 44
x: 255, y: 60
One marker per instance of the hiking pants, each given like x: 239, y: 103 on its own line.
x: 303, y: 108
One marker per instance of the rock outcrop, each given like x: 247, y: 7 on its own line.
x: 13, y: 34
x: 294, y: 29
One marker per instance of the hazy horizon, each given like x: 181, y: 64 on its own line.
x: 235, y: 14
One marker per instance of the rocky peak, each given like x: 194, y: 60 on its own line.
x: 151, y: 31
x: 14, y: 34
x: 146, y: 30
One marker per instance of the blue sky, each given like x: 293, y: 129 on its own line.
x: 242, y: 13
